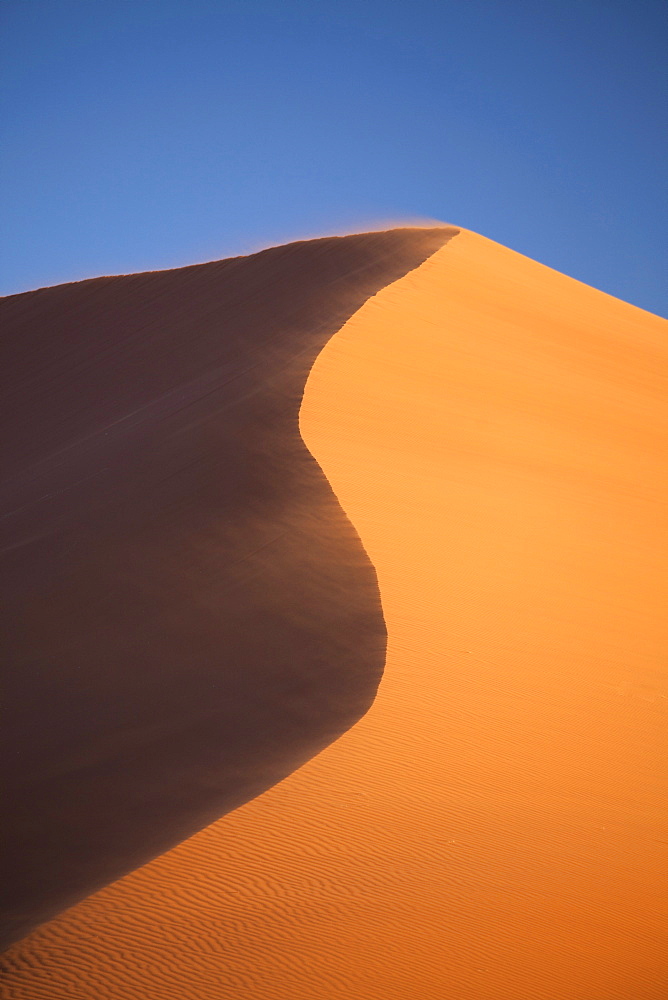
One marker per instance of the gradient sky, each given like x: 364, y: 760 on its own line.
x: 153, y: 133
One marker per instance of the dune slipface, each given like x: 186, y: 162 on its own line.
x: 189, y: 615
x: 493, y: 826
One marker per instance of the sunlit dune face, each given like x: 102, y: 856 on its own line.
x: 511, y: 425
x: 493, y: 827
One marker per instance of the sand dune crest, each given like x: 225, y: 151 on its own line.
x: 188, y: 614
x: 493, y: 827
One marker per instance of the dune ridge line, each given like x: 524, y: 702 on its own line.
x: 189, y: 615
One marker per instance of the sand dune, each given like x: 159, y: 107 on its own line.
x: 188, y: 613
x: 493, y: 827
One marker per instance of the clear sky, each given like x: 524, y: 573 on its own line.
x: 144, y: 134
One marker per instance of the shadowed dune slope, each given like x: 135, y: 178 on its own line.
x: 493, y: 827
x: 188, y: 614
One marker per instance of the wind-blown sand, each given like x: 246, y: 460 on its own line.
x: 493, y: 826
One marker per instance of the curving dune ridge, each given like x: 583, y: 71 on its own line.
x: 493, y: 826
x: 188, y: 614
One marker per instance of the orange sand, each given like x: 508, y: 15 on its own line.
x: 493, y: 827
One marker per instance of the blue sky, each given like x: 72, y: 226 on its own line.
x: 144, y: 134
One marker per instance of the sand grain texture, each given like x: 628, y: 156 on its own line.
x: 494, y: 827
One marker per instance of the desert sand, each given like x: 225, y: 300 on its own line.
x: 494, y: 826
